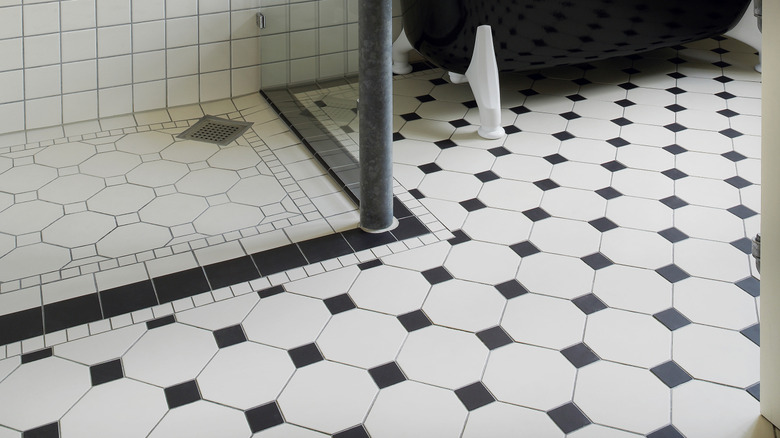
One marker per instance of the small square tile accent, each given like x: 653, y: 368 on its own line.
x: 755, y: 391
x: 339, y: 303
x: 51, y: 430
x: 555, y: 159
x: 603, y: 224
x: 751, y: 285
x: 613, y: 166
x: 673, y: 235
x: 666, y: 432
x: 182, y: 394
x: 437, y: 275
x: 305, y: 355
x: 675, y: 149
x: 355, y: 432
x: 563, y: 135
x: 494, y: 337
x: 474, y: 396
x: 671, y: 374
x: 546, y: 184
x: 589, y: 304
x: 597, y: 261
x: 264, y: 417
x: 511, y: 289
x: 618, y: 142
x: 487, y: 176
x: 429, y: 168
x: 753, y: 333
x: 160, y: 322
x: 673, y: 202
x: 672, y: 319
x: 499, y: 151
x: 460, y: 237
x: 106, y: 372
x: 568, y: 418
x: 742, y: 212
x: 387, y: 375
x: 608, y: 193
x: 370, y: 264
x: 525, y: 249
x: 738, y: 182
x: 414, y: 320
x: 674, y: 174
x: 579, y: 355
x: 225, y: 337
x: 472, y: 204
x: 536, y: 214
x: 271, y: 291
x: 445, y: 144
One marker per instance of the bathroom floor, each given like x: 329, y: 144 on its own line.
x: 588, y: 275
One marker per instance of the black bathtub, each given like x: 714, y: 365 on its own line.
x: 515, y: 35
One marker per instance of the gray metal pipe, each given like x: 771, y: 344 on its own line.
x: 375, y: 112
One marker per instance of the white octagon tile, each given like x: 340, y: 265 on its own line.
x: 643, y: 249
x: 101, y: 347
x: 246, y: 375
x: 142, y: 143
x: 58, y: 384
x: 622, y: 396
x: 443, y: 357
x: 593, y: 128
x: 565, y: 236
x: 420, y: 259
x: 581, y: 175
x: 633, y: 289
x: 108, y: 164
x: 412, y: 87
x: 29, y: 217
x: 643, y: 183
x: 569, y: 203
x: 598, y: 108
x: 502, y: 419
x: 157, y: 173
x: 219, y: 314
x: 650, y: 115
x: 718, y: 355
x: 286, y: 320
x: 706, y: 165
x: 522, y: 167
x: 464, y: 305
x: 497, y: 226
x: 450, y: 186
x: 173, y: 209
x: 697, y: 140
x: 78, y: 229
x: 71, y: 188
x: 467, y: 160
x: 207, y: 182
x: 133, y: 238
x: 414, y: 152
x: 404, y: 104
x: 628, y: 337
x: 532, y: 143
x: 510, y: 195
x: 482, y: 262
x: 390, y: 290
x: 707, y: 192
x: 587, y: 150
x: 189, y: 151
x: 257, y: 190
x: 227, y: 217
x: 427, y: 130
x: 530, y: 376
x: 709, y: 223
x: 545, y: 321
x: 328, y: 397
x: 715, y: 260
x: 715, y: 303
x: 426, y: 410
x: 541, y: 273
x: 640, y: 213
x: 287, y: 430
x: 202, y: 418
x: 65, y: 154
x: 704, y: 409
x: 598, y: 431
x: 48, y: 258
x: 541, y: 123
x: 122, y: 408
x: 451, y: 214
x: 455, y: 93
x: 170, y: 354
x: 7, y: 244
x: 27, y: 178
x: 121, y: 199
x: 638, y: 133
x: 441, y: 110
x: 362, y: 338
x: 235, y: 158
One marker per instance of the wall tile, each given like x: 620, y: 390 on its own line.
x: 183, y: 91
x: 181, y: 32
x: 211, y: 6
x: 148, y: 96
x: 112, y: 12
x: 79, y: 45
x: 274, y: 75
x: 215, y: 56
x: 41, y: 50
x: 303, y: 16
x: 11, y: 22
x: 245, y: 80
x: 115, y: 101
x: 182, y: 61
x: 303, y: 70
x: 332, y: 12
x: 12, y: 54
x: 115, y: 71
x: 148, y: 66
x: 215, y: 86
x: 332, y: 39
x: 41, y: 18
x: 147, y: 10
x: 78, y: 107
x: 13, y: 86
x: 44, y: 112
x: 248, y: 51
x: 148, y: 36
x: 11, y: 117
x: 303, y: 44
x: 247, y: 4
x: 276, y: 19
x: 42, y: 82
x: 180, y: 8
x: 333, y: 65
x: 214, y: 27
x: 243, y: 24
x: 77, y: 14
x: 114, y: 40
x: 79, y: 76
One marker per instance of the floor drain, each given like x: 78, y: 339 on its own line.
x: 212, y: 129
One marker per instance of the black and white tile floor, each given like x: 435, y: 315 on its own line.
x: 593, y: 280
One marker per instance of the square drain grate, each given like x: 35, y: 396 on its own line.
x: 212, y: 129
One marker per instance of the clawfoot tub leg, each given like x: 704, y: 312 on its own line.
x: 748, y: 28
x: 401, y: 49
x: 482, y: 74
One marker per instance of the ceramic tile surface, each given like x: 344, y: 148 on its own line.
x: 587, y: 275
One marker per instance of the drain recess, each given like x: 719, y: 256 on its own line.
x: 215, y: 130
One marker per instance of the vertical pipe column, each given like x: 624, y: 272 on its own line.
x: 375, y: 111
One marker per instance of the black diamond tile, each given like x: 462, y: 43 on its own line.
x: 445, y: 144
x: 733, y: 156
x: 675, y: 149
x: 568, y: 418
x: 525, y: 249
x: 160, y: 322
x: 370, y: 264
x: 666, y: 432
x: 51, y: 430
x: 325, y: 248
x: 387, y: 375
x: 305, y: 355
x: 21, y: 325
x: 627, y: 86
x: 597, y: 261
x: 755, y: 391
x: 474, y: 396
x: 671, y: 374
x: 436, y: 275
x: 618, y: 142
x: 429, y: 168
x: 582, y: 81
x: 414, y: 320
x: 603, y: 224
x: 742, y: 212
x: 721, y: 64
x: 555, y: 159
x: 410, y: 117
x: 744, y: 244
x: 608, y: 193
x: 675, y: 127
x: 529, y: 92
x: 725, y: 95
x: 228, y: 336
x: 339, y: 304
x: 416, y: 194
x: 438, y: 81
x: 738, y: 182
x: 579, y: 355
x: 621, y: 121
x: 182, y: 394
x: 676, y: 75
x: 279, y: 259
x: 460, y: 237
x: 499, y: 151
x: 675, y: 108
x: 37, y: 355
x: 425, y: 98
x: 546, y: 184
x: 264, y: 417
x: 520, y: 110
x: 536, y: 214
x: 677, y: 60
x: 672, y: 319
x: 571, y: 115
x: 459, y: 123
x: 751, y: 285
x: 723, y: 79
x: 728, y: 113
x: 106, y: 372
x: 631, y: 71
x: 589, y: 304
x: 511, y: 289
x: 673, y: 202
x: 719, y: 51
x: 271, y: 291
x: 674, y: 174
x: 563, y: 135
x: 675, y: 90
x: 511, y: 129
x: 624, y: 103
x: 72, y: 312
x: 470, y: 104
x: 672, y: 273
x: 128, y: 298
x: 613, y: 166
x: 397, y: 136
x: 355, y: 432
x: 486, y: 176
x: 753, y: 333
x: 730, y: 133
x: 494, y: 337
x: 673, y: 235
x: 575, y: 97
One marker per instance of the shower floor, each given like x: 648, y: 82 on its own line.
x: 588, y: 275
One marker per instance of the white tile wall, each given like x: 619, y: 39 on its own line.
x: 66, y: 61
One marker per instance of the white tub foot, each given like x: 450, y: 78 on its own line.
x: 482, y: 75
x: 457, y: 78
x: 748, y: 29
x: 401, y: 49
